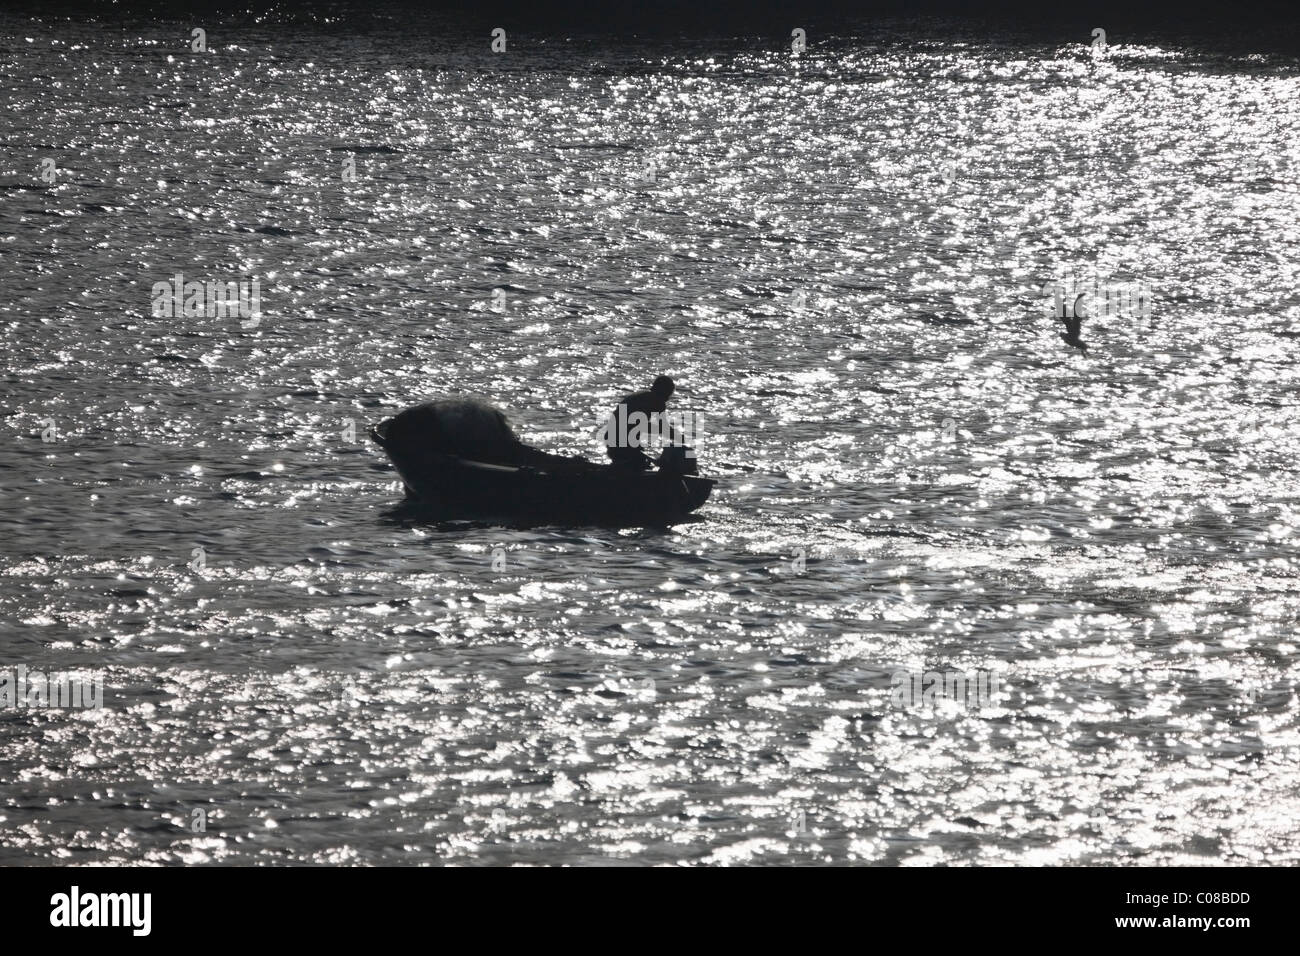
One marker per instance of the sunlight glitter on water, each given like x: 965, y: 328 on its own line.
x: 835, y: 258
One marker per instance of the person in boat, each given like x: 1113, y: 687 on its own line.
x: 635, y: 420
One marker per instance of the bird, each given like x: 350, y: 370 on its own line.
x: 1073, y: 327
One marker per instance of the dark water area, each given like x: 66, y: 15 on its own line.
x: 840, y: 255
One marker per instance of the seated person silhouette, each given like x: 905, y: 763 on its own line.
x: 635, y: 420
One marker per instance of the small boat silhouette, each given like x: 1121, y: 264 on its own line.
x: 460, y: 459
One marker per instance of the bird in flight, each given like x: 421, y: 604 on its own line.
x: 1073, y: 328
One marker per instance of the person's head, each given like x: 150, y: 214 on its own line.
x: 662, y: 388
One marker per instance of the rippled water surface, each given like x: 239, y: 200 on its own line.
x: 840, y: 257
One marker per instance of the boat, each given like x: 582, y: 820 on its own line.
x: 459, y: 458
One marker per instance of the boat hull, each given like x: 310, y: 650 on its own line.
x: 565, y: 491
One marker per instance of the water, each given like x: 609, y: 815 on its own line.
x: 840, y: 257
